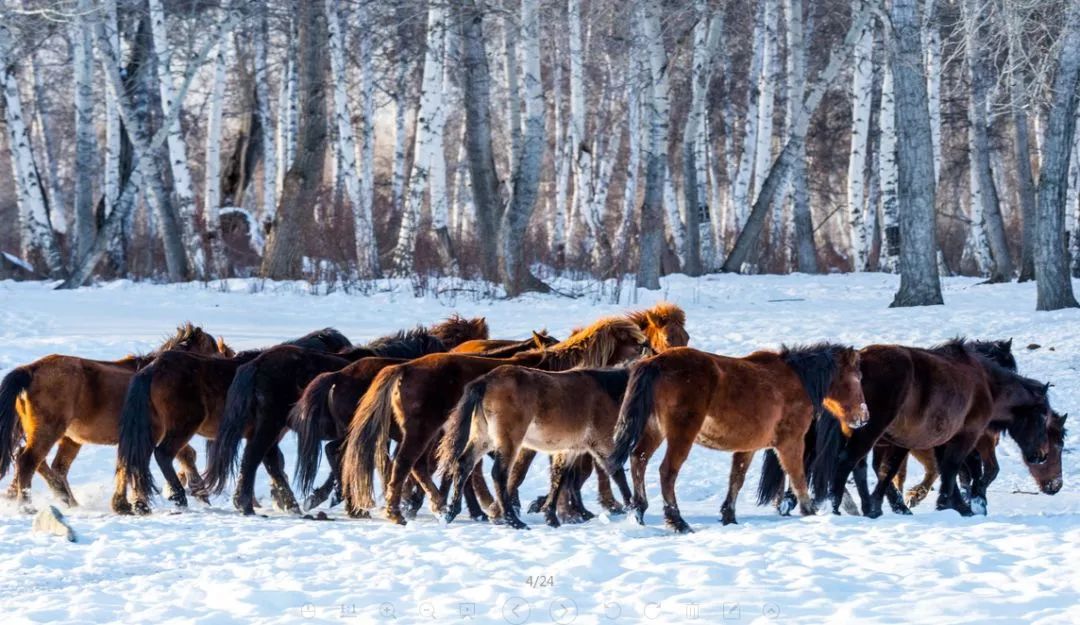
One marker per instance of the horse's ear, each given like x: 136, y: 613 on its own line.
x: 1046, y: 388
x: 1007, y: 344
x: 652, y: 319
x: 221, y: 346
x: 538, y: 340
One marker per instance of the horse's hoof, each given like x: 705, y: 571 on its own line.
x: 639, y: 516
x: 915, y: 496
x: 728, y: 520
x: 480, y: 517
x: 123, y: 510
x: 396, y: 517
x: 872, y: 513
x: 141, y: 508
x: 787, y: 504
x: 978, y: 505
x: 537, y: 505
x: 552, y: 521
x: 810, y: 510
x: 517, y: 524
x: 679, y: 526
x: 612, y: 507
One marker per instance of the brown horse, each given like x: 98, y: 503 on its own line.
x: 943, y: 398
x: 176, y: 396
x: 417, y: 398
x: 665, y: 326
x: 265, y: 389
x: 567, y: 413
x: 327, y: 405
x: 766, y: 399
x: 74, y: 401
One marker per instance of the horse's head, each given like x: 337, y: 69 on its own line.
x: 543, y: 340
x: 1048, y: 474
x: 844, y: 397
x: 999, y: 352
x: 191, y: 338
x: 1028, y: 417
x: 606, y: 343
x: 664, y: 325
x: 457, y: 329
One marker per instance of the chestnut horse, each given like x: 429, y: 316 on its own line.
x: 265, y: 389
x: 766, y: 399
x: 417, y: 398
x: 330, y: 399
x: 942, y: 398
x: 176, y: 396
x: 74, y: 401
x: 665, y: 326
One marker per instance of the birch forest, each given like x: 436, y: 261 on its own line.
x: 515, y: 141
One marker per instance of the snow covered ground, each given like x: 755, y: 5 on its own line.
x: 1020, y: 564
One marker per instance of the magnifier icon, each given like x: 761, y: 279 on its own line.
x: 427, y: 611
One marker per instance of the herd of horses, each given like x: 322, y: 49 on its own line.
x: 435, y: 401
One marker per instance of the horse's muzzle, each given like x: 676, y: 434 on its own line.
x: 1050, y: 487
x: 859, y: 417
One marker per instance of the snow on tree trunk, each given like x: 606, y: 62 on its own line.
x: 635, y: 129
x: 428, y: 159
x: 919, y: 282
x: 36, y: 233
x: 805, y: 252
x: 1054, y: 286
x: 515, y: 221
x: 932, y: 40
x: 85, y: 134
x: 183, y: 189
x: 652, y: 210
x: 888, y: 176
x: 212, y: 183
x: 266, y: 123
x: 366, y: 252
x: 562, y: 165
x: 707, y: 35
x: 862, y: 84
x: 287, y: 119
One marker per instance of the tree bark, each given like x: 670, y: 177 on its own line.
x: 919, y: 281
x: 805, y: 251
x: 303, y: 180
x: 85, y: 135
x: 1054, y: 285
x: 266, y: 122
x: 212, y: 179
x: 861, y: 100
x: 652, y: 210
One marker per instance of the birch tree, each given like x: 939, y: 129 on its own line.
x: 85, y: 134
x: 429, y: 165
x: 36, y: 233
x: 888, y: 175
x: 919, y: 281
x: 862, y: 83
x: 1054, y: 286
x: 805, y: 252
x: 741, y: 194
x: 266, y: 120
x: 515, y: 271
x: 367, y: 261
x: 652, y: 210
x: 183, y: 192
x: 707, y: 34
x: 212, y: 184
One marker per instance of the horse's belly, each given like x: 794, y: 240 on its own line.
x: 96, y: 433
x: 550, y: 440
x: 732, y: 433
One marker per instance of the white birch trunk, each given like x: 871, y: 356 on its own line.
x: 741, y: 194
x: 43, y: 122
x: 932, y: 40
x: 366, y: 253
x: 861, y: 98
x: 428, y: 143
x: 35, y: 231
x: 113, y: 134
x: 85, y: 134
x: 1072, y: 203
x: 212, y: 183
x: 562, y: 164
x: 513, y: 89
x: 183, y: 189
x: 367, y: 145
x: 266, y: 122
x: 401, y: 107
x: 890, y: 219
x: 633, y: 165
x: 287, y: 116
x: 580, y: 216
x: 766, y: 97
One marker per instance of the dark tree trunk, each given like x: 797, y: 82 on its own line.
x: 1026, y: 191
x: 1051, y: 258
x: 919, y: 281
x: 303, y: 180
x: 477, y: 88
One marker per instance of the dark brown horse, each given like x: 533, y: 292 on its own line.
x: 942, y: 398
x: 176, y: 396
x: 265, y: 389
x: 327, y: 405
x: 417, y: 398
x: 74, y: 401
x: 766, y: 399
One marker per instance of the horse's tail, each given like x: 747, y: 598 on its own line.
x: 238, y: 414
x: 459, y: 425
x: 369, y: 434
x: 136, y: 443
x: 15, y: 382
x: 826, y: 455
x: 637, y: 407
x: 771, y: 484
x: 305, y: 418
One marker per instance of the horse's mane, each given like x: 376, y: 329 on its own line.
x: 326, y: 339
x: 405, y: 344
x: 816, y: 365
x: 594, y: 345
x: 663, y: 313
x: 185, y: 332
x: 456, y: 330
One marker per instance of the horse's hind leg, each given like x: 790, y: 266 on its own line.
x: 604, y: 492
x: 599, y: 457
x: 950, y: 456
x: 518, y: 472
x: 38, y: 444
x: 500, y: 471
x: 894, y: 485
x: 558, y: 475
x: 66, y: 452
x: 917, y: 493
x: 411, y: 450
x: 740, y: 462
x: 464, y: 469
x: 790, y: 454
x: 164, y: 454
x: 476, y: 491
x: 279, y: 482
x: 680, y: 440
x: 639, y: 461
x: 189, y: 474
x: 891, y: 456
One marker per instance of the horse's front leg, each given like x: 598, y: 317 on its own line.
x: 890, y: 458
x: 950, y: 457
